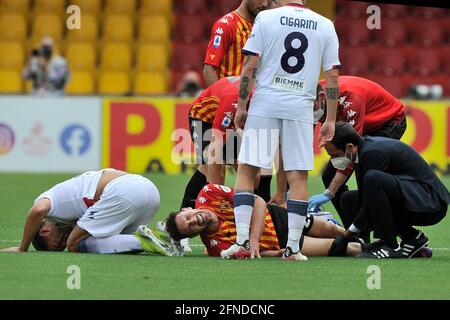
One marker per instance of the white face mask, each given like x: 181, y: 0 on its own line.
x: 318, y: 114
x: 341, y: 163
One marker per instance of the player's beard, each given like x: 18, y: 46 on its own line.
x: 253, y: 10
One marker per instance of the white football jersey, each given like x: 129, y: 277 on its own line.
x: 69, y: 199
x: 293, y: 42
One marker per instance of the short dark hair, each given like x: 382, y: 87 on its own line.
x: 344, y: 134
x: 172, y: 228
x: 39, y: 242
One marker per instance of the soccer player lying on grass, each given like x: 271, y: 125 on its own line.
x: 103, y: 211
x: 213, y: 220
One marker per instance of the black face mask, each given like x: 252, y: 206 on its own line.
x: 47, y: 51
x: 191, y: 86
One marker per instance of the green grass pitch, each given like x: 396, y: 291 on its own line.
x: 37, y: 275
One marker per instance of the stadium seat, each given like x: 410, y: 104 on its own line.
x: 160, y: 7
x: 152, y: 57
x: 118, y: 28
x: 445, y: 59
x: 393, y: 11
x: 12, y: 55
x: 11, y: 81
x: 424, y: 61
x: 57, y: 7
x: 88, y: 6
x: 388, y: 61
x: 190, y: 28
x: 114, y: 82
x: 13, y: 27
x: 154, y: 28
x: 150, y: 83
x: 120, y: 7
x: 81, y: 83
x: 47, y: 25
x: 15, y: 6
x: 191, y: 6
x: 88, y: 31
x: 355, y: 60
x: 116, y: 57
x: 395, y: 85
x: 354, y: 32
x: 393, y: 33
x: 426, y: 33
x: 351, y: 9
x: 81, y: 56
x: 188, y: 56
x: 223, y: 7
x: 429, y: 13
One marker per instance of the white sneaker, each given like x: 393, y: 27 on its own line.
x: 237, y: 251
x: 185, y: 244
x: 289, y: 255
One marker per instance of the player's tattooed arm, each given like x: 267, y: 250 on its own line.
x: 332, y: 93
x: 244, y: 88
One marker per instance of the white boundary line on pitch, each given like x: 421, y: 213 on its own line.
x: 200, y: 245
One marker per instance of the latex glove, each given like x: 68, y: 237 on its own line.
x: 316, y: 201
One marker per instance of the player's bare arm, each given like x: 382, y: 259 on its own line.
x: 216, y: 167
x: 75, y: 237
x: 248, y: 77
x: 210, y: 74
x: 33, y: 222
x: 332, y: 97
x: 257, y: 226
x: 337, y: 182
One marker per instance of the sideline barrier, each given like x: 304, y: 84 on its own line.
x: 145, y: 134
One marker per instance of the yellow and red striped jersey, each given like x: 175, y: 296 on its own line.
x: 219, y: 199
x: 205, y: 106
x: 228, y: 36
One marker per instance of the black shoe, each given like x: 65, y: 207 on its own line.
x: 381, y: 251
x: 411, y: 246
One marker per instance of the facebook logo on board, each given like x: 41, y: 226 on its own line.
x: 75, y: 140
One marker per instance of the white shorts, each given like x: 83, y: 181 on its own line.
x: 126, y: 203
x: 263, y: 135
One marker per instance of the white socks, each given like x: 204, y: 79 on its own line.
x: 121, y: 243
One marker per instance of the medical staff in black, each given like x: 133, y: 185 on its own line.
x: 396, y: 190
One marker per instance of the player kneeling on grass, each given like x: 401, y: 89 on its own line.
x: 397, y: 190
x: 103, y: 211
x: 213, y: 219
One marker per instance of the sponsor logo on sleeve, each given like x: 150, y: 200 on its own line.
x: 217, y: 40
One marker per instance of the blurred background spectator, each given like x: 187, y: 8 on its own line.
x: 144, y: 47
x: 47, y: 70
x: 190, y: 85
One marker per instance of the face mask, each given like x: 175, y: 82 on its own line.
x: 47, y: 51
x: 341, y: 163
x: 318, y: 114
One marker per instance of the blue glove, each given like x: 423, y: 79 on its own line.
x: 316, y: 201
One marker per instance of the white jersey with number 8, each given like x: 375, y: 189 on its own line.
x: 293, y: 43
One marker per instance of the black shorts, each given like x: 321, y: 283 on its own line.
x: 280, y: 221
x: 201, y: 134
x: 392, y: 129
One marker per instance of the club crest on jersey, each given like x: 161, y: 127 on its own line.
x: 217, y: 40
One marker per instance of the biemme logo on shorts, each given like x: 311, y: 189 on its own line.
x: 7, y: 139
x: 75, y: 140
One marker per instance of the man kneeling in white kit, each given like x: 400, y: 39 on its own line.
x: 103, y: 211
